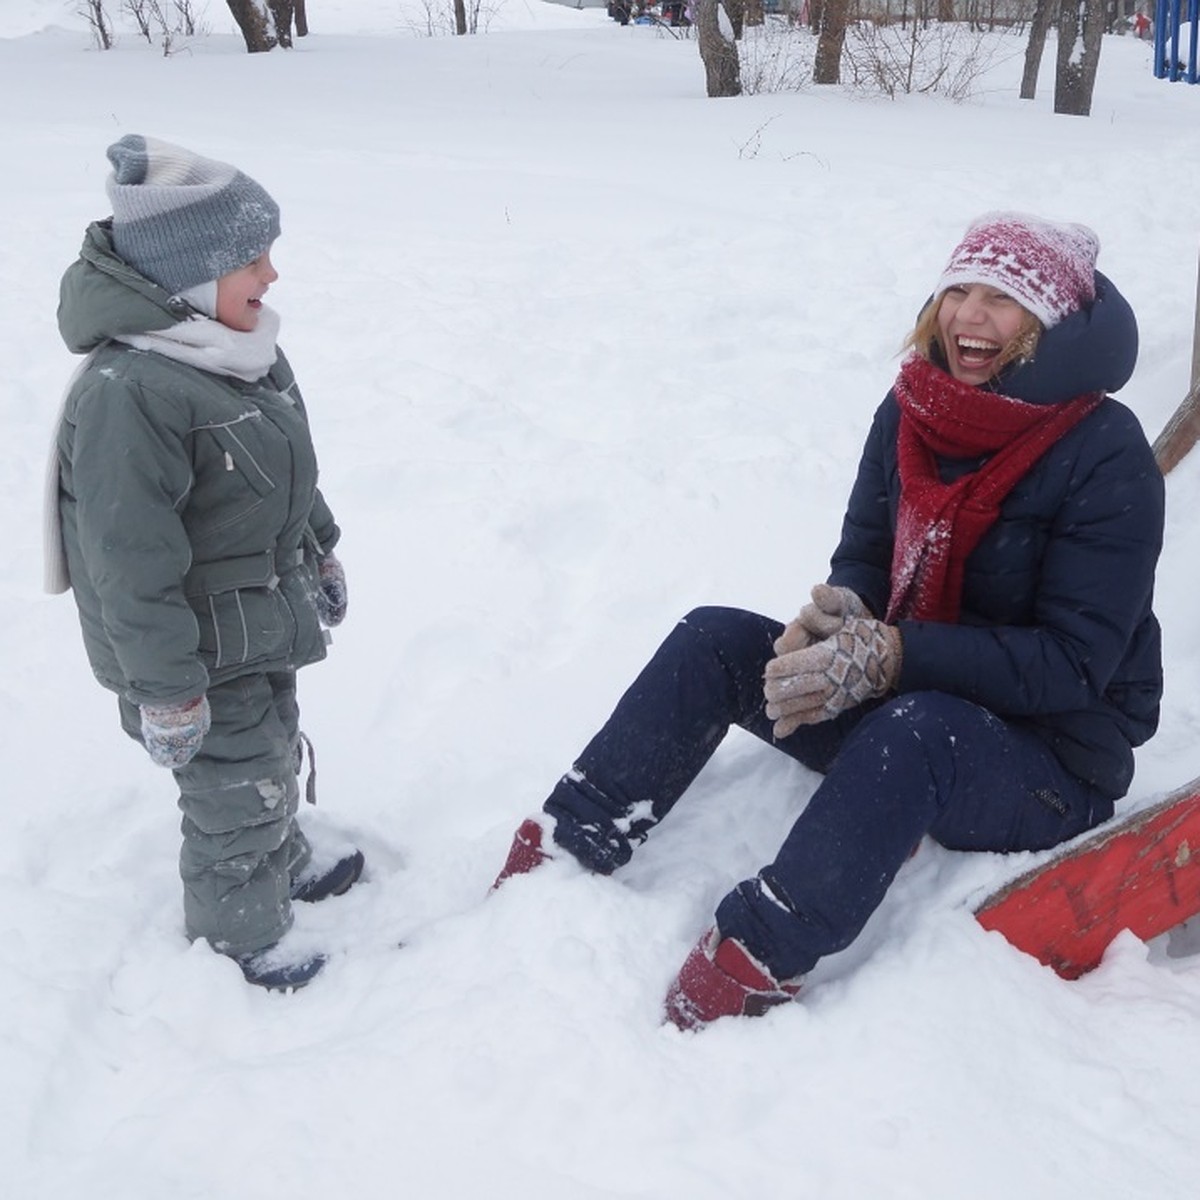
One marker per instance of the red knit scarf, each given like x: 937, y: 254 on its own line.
x: 939, y: 524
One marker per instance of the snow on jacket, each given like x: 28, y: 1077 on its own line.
x: 1057, y: 629
x: 188, y: 500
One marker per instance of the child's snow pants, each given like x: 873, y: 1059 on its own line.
x: 924, y: 762
x: 241, y: 843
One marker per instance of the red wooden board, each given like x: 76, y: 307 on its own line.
x: 1140, y: 872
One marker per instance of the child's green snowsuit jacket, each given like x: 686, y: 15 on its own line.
x: 189, y: 502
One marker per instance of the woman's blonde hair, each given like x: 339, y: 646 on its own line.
x: 926, y: 335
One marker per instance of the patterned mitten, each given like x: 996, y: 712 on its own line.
x: 331, y: 591
x: 172, y: 733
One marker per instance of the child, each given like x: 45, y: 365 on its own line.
x: 183, y: 512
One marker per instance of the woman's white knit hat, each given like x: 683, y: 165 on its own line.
x: 1048, y: 268
x: 180, y: 219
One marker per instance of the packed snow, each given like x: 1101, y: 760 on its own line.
x: 583, y: 349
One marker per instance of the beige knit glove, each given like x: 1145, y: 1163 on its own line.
x: 822, y: 617
x: 816, y: 683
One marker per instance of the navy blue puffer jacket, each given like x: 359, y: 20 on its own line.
x: 1056, y: 629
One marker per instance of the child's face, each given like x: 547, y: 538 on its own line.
x: 240, y: 293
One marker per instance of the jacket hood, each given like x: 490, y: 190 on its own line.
x: 1093, y: 350
x: 101, y: 296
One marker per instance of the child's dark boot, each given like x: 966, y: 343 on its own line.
x: 272, y: 969
x: 316, y: 883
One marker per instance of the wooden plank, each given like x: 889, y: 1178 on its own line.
x: 1140, y: 872
x: 1180, y: 433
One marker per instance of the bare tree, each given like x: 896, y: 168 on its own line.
x: 93, y: 12
x: 827, y: 65
x: 927, y: 57
x: 186, y: 18
x: 719, y: 53
x: 143, y: 13
x: 163, y: 21
x: 1044, y: 13
x: 1080, y: 31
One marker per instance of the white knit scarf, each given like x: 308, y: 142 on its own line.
x: 199, y: 342
x: 205, y: 343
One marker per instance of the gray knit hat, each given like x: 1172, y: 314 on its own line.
x: 180, y: 219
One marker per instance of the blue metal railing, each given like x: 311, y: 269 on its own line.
x: 1170, y: 16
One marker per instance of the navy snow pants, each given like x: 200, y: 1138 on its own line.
x: 895, y: 770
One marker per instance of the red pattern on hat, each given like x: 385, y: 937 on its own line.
x: 1048, y: 268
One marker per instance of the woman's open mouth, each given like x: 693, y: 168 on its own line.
x: 975, y: 353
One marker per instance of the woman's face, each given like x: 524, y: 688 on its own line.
x: 975, y: 323
x: 240, y: 293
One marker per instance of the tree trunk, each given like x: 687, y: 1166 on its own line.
x: 1080, y: 31
x: 301, y: 19
x: 281, y: 11
x: 754, y: 12
x: 735, y: 10
x: 255, y: 23
x: 945, y: 10
x: 827, y: 65
x: 1043, y: 16
x: 460, y: 17
x: 719, y: 53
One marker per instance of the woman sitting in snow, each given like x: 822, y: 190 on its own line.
x: 183, y: 511
x: 980, y: 663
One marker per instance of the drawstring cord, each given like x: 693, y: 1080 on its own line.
x: 310, y: 784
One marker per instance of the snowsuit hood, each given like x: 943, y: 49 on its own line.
x: 102, y: 297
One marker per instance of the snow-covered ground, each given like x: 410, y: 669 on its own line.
x: 583, y: 349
